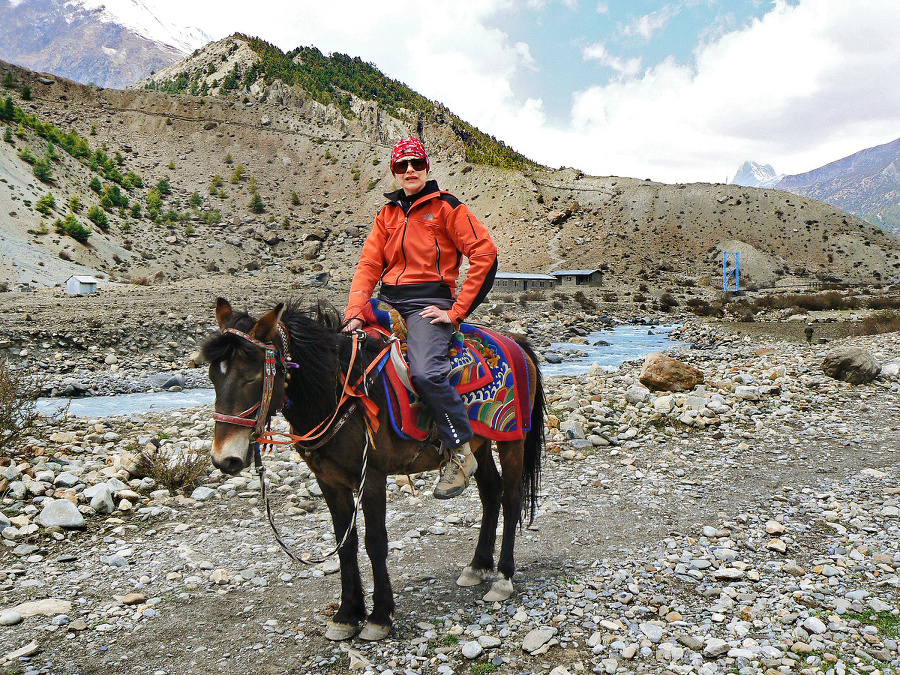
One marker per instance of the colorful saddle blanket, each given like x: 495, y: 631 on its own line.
x: 487, y: 369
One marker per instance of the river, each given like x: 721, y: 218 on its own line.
x: 625, y: 343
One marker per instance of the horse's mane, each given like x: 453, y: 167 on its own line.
x: 318, y: 347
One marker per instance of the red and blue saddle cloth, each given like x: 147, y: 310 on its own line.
x: 488, y: 370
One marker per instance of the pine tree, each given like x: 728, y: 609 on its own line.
x: 256, y: 204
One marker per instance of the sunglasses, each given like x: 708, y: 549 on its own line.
x: 417, y: 165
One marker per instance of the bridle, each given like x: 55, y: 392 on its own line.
x: 322, y: 432
x: 261, y: 420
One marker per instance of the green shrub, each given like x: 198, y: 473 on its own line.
x: 8, y: 136
x: 9, y: 80
x: 45, y: 204
x: 163, y: 187
x: 237, y: 174
x: 136, y: 210
x: 27, y: 156
x: 75, y: 204
x: 154, y: 199
x: 98, y: 216
x: 42, y: 171
x: 70, y: 226
x: 295, y: 199
x: 210, y: 217
x: 195, y: 199
x: 96, y: 185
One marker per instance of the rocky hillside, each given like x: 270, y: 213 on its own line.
x: 263, y: 175
x: 84, y: 41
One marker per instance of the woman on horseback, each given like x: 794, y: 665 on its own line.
x: 415, y: 249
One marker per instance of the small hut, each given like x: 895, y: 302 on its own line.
x: 579, y: 277
x: 520, y: 281
x: 80, y: 285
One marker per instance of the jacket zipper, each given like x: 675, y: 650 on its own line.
x: 403, y: 247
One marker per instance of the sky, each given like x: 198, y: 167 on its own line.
x: 678, y: 91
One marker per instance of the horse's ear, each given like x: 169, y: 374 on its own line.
x: 265, y: 328
x: 223, y: 313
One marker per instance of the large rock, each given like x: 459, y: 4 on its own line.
x: 851, y: 364
x: 661, y: 372
x: 60, y: 512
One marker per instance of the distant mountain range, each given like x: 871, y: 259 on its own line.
x: 752, y: 174
x: 866, y: 184
x: 110, y: 44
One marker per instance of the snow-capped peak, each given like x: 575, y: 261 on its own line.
x: 143, y: 19
x: 752, y: 174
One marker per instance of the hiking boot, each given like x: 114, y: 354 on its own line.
x: 455, y: 475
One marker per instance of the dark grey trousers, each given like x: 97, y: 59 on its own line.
x: 429, y: 368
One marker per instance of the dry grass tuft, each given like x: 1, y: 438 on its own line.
x: 176, y: 471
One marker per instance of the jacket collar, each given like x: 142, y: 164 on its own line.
x: 399, y: 198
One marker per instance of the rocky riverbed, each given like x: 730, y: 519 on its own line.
x: 750, y: 525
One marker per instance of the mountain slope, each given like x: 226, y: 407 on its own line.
x: 866, y: 183
x: 110, y: 45
x: 265, y: 176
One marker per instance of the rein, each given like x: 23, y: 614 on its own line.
x: 319, y: 435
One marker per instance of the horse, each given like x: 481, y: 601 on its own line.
x: 303, y: 358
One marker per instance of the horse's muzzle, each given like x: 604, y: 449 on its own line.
x: 230, y: 465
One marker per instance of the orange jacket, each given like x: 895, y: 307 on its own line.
x: 425, y: 245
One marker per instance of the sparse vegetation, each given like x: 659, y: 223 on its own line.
x: 17, y: 407
x: 70, y: 226
x: 45, y: 204
x: 179, y: 473
x: 256, y: 205
x: 98, y: 216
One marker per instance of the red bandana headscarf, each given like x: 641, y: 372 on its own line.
x: 409, y: 147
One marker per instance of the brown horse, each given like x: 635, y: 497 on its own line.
x: 307, y: 356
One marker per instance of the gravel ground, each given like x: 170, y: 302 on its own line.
x: 750, y: 535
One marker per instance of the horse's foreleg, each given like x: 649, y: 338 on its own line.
x: 511, y: 453
x: 489, y: 486
x: 353, y: 605
x: 374, y: 508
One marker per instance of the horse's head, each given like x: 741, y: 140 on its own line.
x: 237, y: 363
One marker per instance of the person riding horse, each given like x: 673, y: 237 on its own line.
x: 415, y: 249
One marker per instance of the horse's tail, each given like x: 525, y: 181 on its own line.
x: 534, y: 441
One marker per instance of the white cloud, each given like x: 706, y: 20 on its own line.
x: 648, y: 25
x: 599, y: 52
x: 807, y: 84
x: 602, y: 8
x: 812, y: 81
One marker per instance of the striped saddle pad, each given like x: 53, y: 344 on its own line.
x: 487, y: 369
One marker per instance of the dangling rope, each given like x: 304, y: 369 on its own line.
x: 307, y: 559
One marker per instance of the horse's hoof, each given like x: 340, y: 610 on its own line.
x: 372, y: 632
x: 501, y: 589
x: 340, y: 631
x: 471, y: 577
